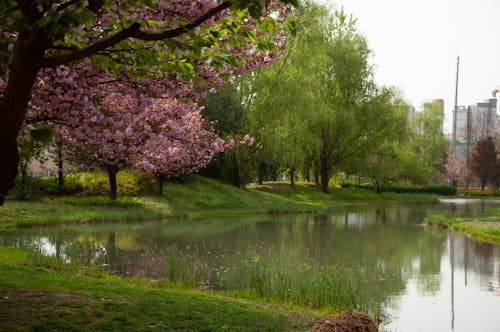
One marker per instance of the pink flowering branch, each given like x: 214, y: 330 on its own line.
x: 134, y: 31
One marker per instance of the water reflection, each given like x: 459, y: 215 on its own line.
x: 467, y: 206
x: 425, y: 279
x: 467, y: 296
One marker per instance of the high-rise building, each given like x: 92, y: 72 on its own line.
x: 473, y: 123
x: 411, y: 112
x: 482, y: 121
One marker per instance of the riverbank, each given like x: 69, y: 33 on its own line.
x: 485, y: 227
x: 66, y: 298
x: 196, y: 198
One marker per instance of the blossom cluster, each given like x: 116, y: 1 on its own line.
x: 114, y: 119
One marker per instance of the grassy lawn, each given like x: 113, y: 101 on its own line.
x: 485, y: 228
x: 36, y: 299
x: 197, y: 197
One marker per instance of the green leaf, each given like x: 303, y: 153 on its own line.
x: 292, y: 25
x: 148, y: 3
x: 42, y: 134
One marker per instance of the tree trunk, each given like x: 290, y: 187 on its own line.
x: 236, y: 172
x: 23, y: 170
x: 60, y: 174
x: 261, y: 172
x: 292, y: 176
x: 161, y: 179
x: 236, y: 177
x: 112, y: 182
x: 30, y: 47
x: 324, y: 174
x: 324, y: 164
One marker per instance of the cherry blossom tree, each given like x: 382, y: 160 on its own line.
x: 113, y: 122
x: 454, y: 169
x: 142, y: 37
x: 182, y: 143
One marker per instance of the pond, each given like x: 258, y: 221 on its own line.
x: 375, y: 258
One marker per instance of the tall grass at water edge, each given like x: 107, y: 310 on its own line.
x: 304, y: 285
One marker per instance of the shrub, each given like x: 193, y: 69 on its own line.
x: 407, y: 189
x: 437, y: 190
x: 482, y: 193
x: 24, y: 189
x: 439, y: 220
x: 129, y: 183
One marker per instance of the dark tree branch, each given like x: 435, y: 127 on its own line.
x: 29, y: 11
x: 133, y: 31
x: 62, y: 7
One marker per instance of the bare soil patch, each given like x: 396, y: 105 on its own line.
x: 346, y: 321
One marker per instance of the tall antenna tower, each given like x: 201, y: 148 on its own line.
x: 454, y: 132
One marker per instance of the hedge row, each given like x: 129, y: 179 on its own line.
x: 437, y: 190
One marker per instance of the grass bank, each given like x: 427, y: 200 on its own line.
x: 197, y: 197
x: 485, y: 227
x: 37, y: 298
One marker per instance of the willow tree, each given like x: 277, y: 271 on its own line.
x: 286, y: 95
x: 428, y: 140
x: 309, y: 107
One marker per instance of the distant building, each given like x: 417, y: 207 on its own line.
x: 482, y: 121
x: 475, y: 122
x: 411, y: 113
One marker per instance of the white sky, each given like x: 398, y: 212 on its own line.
x: 416, y: 44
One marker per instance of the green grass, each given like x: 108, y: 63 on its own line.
x: 36, y: 299
x: 26, y: 214
x: 197, y: 197
x: 485, y: 228
x: 486, y: 193
x: 123, y: 201
x: 278, y: 281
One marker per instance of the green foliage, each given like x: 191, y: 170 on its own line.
x: 224, y: 109
x: 255, y: 7
x: 370, y: 195
x: 25, y: 188
x: 428, y: 141
x: 482, y: 193
x: 437, y: 190
x: 411, y: 189
x: 493, y: 212
x: 32, y: 142
x: 439, y: 220
x: 129, y: 183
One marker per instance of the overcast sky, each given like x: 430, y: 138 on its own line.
x: 416, y: 44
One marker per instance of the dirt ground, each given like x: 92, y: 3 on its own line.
x: 346, y: 321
